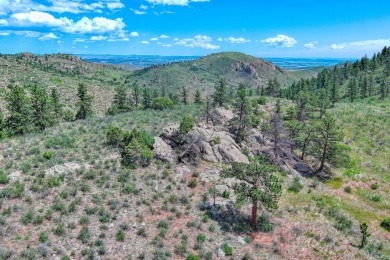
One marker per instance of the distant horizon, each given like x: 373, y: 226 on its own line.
x: 298, y: 28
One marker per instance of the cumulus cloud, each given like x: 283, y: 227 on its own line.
x: 280, y: 41
x: 98, y: 38
x: 174, y: 2
x: 154, y: 39
x: 366, y: 44
x: 143, y: 7
x: 145, y: 42
x: 57, y: 6
x: 220, y: 39
x: 198, y: 41
x: 134, y: 34
x: 115, y: 5
x: 164, y: 36
x: 4, y: 33
x: 236, y: 40
x: 310, y: 45
x: 48, y: 36
x: 84, y: 25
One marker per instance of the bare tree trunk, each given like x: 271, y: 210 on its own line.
x: 254, y: 214
x: 323, y: 158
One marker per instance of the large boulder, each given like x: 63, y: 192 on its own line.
x: 171, y: 131
x: 163, y: 151
x: 212, y: 146
x: 221, y: 116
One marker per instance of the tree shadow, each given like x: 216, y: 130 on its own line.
x: 229, y: 218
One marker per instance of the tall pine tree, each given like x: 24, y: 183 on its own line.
x: 84, y: 103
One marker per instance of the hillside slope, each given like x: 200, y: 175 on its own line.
x: 201, y: 74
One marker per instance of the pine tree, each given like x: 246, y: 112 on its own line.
x: 136, y: 94
x: 18, y: 105
x: 383, y: 88
x: 323, y: 102
x: 328, y: 137
x: 56, y: 105
x: 242, y: 109
x: 84, y: 103
x: 184, y: 95
x: 163, y: 91
x: 41, y: 114
x: 198, y: 97
x: 363, y: 87
x: 120, y: 103
x: 352, y: 89
x: 208, y: 107
x: 220, y: 96
x: 146, y: 98
x: 259, y: 185
x: 334, y: 93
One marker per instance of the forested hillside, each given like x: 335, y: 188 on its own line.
x: 240, y: 170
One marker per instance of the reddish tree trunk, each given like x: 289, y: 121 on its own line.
x: 254, y: 214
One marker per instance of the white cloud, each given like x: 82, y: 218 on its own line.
x: 143, y: 7
x: 3, y: 22
x: 198, y: 41
x: 145, y: 42
x: 4, y: 33
x: 220, y: 39
x: 84, y: 25
x: 337, y: 46
x: 236, y: 40
x: 154, y: 39
x: 48, y: 36
x: 57, y: 6
x: 310, y: 45
x: 174, y: 2
x: 164, y: 36
x: 137, y: 12
x: 134, y: 34
x: 281, y: 41
x: 365, y: 45
x: 98, y: 38
x: 115, y: 5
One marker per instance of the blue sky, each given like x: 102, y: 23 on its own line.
x: 283, y: 28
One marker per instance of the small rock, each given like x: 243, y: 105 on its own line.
x: 241, y: 240
x: 221, y: 253
x: 143, y: 224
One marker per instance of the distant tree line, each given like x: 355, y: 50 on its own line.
x: 351, y: 81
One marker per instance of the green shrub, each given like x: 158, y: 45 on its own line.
x: 84, y: 235
x: 162, y: 103
x: 228, y: 250
x: 374, y: 186
x: 225, y: 194
x: 376, y: 198
x: 59, y: 230
x: 348, y: 189
x: 296, y: 185
x: 120, y: 235
x: 48, y: 155
x: 28, y: 217
x: 192, y: 257
x: 137, y: 155
x: 114, y: 136
x: 201, y: 238
x: 186, y: 124
x: 262, y: 101
x: 386, y: 223
x: 4, y: 179
x: 193, y: 183
x: 43, y: 237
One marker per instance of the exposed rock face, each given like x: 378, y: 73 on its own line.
x: 213, y: 146
x: 66, y: 168
x: 221, y: 116
x: 171, y: 131
x: 163, y: 151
